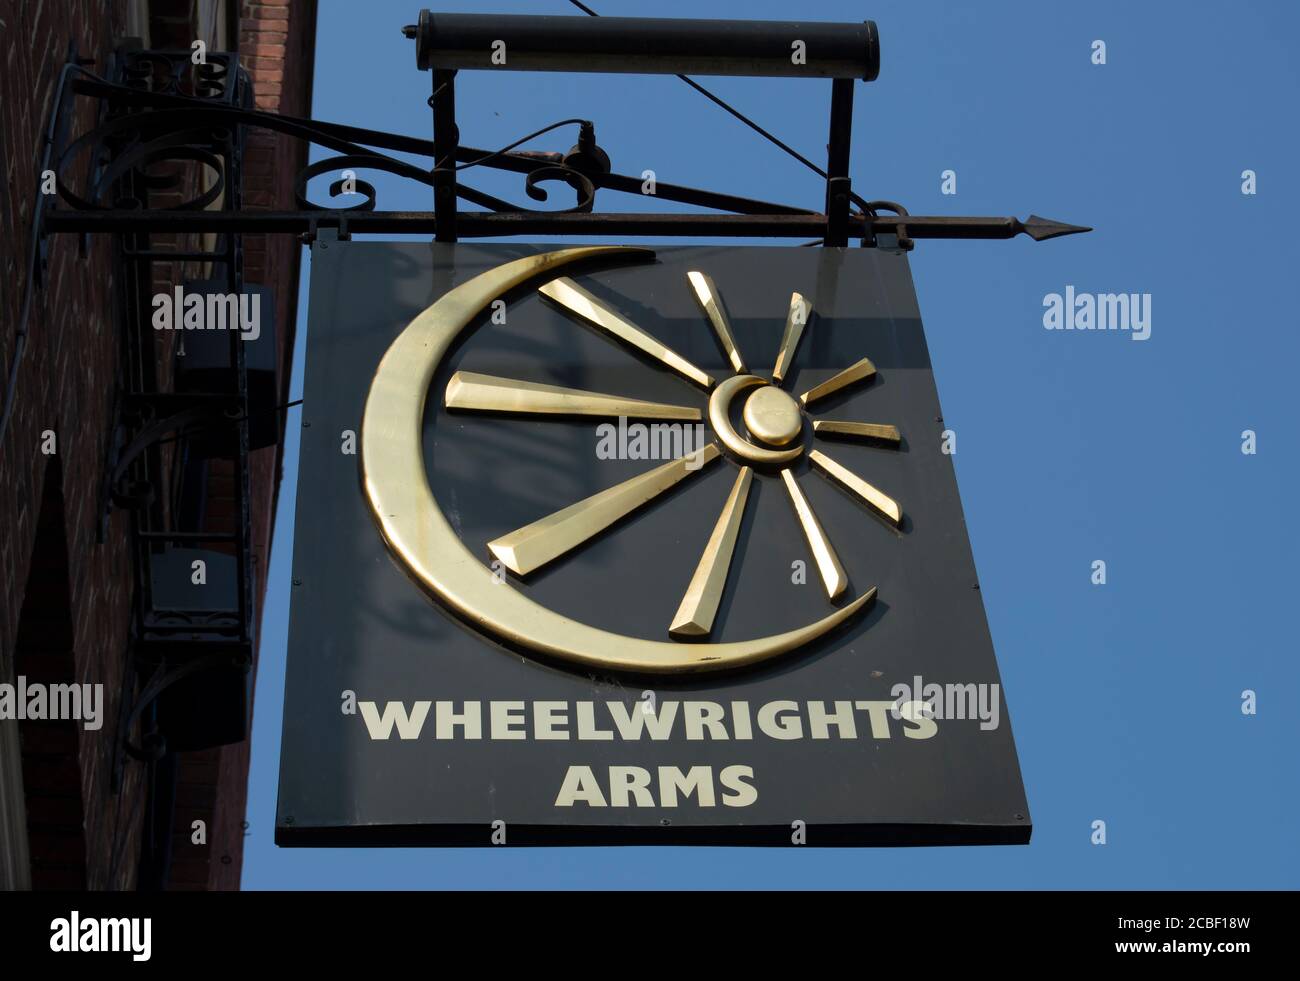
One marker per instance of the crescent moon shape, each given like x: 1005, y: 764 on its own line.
x: 419, y: 535
x: 720, y: 402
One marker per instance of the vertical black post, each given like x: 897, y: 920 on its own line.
x: 837, y: 162
x: 446, y: 137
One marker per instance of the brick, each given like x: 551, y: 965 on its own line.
x: 265, y: 34
x: 264, y: 12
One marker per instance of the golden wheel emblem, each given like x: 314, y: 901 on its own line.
x: 420, y: 537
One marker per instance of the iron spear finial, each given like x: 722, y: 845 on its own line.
x: 1040, y: 229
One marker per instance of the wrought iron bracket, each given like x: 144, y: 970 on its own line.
x: 161, y: 119
x: 144, y: 422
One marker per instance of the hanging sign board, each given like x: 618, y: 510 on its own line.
x: 606, y: 545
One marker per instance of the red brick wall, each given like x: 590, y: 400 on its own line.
x: 44, y: 655
x: 66, y: 384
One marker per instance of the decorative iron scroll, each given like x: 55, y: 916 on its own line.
x: 187, y: 112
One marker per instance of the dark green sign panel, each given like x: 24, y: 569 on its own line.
x: 632, y: 547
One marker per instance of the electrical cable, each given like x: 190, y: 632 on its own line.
x: 506, y: 149
x: 721, y: 103
x: 190, y: 432
x: 33, y: 258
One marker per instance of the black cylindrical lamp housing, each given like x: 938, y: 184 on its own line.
x: 648, y: 46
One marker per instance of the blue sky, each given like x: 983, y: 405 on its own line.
x: 1071, y: 446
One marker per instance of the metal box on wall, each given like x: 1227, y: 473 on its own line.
x: 193, y: 622
x: 205, y: 365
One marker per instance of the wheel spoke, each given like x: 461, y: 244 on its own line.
x: 473, y: 392
x: 700, y: 604
x: 795, y: 321
x: 874, y: 497
x: 529, y: 548
x: 711, y: 303
x: 861, y: 371
x: 867, y: 432
x: 828, y: 563
x: 582, y: 304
